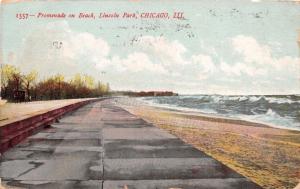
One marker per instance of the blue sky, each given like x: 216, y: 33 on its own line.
x: 224, y: 47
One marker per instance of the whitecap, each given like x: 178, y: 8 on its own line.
x: 255, y: 98
x: 279, y: 100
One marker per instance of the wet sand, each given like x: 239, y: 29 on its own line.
x: 267, y: 155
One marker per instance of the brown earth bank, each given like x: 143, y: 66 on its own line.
x: 268, y: 156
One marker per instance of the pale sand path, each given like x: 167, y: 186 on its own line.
x: 10, y: 112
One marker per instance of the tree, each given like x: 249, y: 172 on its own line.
x: 88, y: 81
x: 12, y: 80
x: 29, y: 81
x: 15, y: 83
x: 58, y: 80
x: 7, y: 72
x: 77, y: 80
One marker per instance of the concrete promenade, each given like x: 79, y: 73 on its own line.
x: 103, y: 146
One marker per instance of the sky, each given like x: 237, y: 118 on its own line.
x: 221, y: 47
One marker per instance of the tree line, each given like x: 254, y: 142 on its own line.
x: 16, y: 86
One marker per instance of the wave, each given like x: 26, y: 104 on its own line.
x: 281, y: 100
x: 255, y: 98
x: 281, y: 110
x: 270, y: 112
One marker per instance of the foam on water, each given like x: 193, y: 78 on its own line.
x: 281, y: 111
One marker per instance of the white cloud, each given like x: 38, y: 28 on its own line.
x: 96, y: 50
x: 288, y: 62
x: 205, y: 65
x: 238, y: 69
x: 207, y: 48
x: 205, y: 62
x: 82, y: 44
x: 39, y: 52
x: 157, y: 62
x: 167, y: 52
x: 252, y: 51
x: 254, y: 65
x: 259, y: 57
x: 140, y: 62
x: 80, y: 52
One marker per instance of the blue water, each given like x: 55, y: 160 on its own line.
x: 281, y: 111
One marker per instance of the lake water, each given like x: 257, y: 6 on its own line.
x: 281, y: 111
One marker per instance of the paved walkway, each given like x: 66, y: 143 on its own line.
x: 103, y: 146
x: 8, y: 113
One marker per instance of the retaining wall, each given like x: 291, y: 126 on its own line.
x: 13, y: 133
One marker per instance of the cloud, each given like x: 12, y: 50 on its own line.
x: 205, y: 65
x: 137, y: 62
x: 260, y: 57
x: 55, y: 48
x: 252, y: 51
x: 96, y: 50
x: 166, y: 51
x: 252, y: 68
x: 238, y: 69
x: 40, y: 53
x: 158, y: 62
x: 79, y: 52
x: 82, y: 44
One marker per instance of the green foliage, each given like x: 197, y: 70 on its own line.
x: 54, y: 87
x: 7, y: 72
x: 29, y: 82
x: 11, y: 80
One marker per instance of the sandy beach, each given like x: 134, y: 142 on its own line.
x: 268, y: 156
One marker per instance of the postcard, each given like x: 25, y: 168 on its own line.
x: 150, y: 94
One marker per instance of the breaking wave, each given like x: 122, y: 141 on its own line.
x: 281, y: 111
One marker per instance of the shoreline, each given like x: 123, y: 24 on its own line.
x: 216, y: 117
x: 268, y: 156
